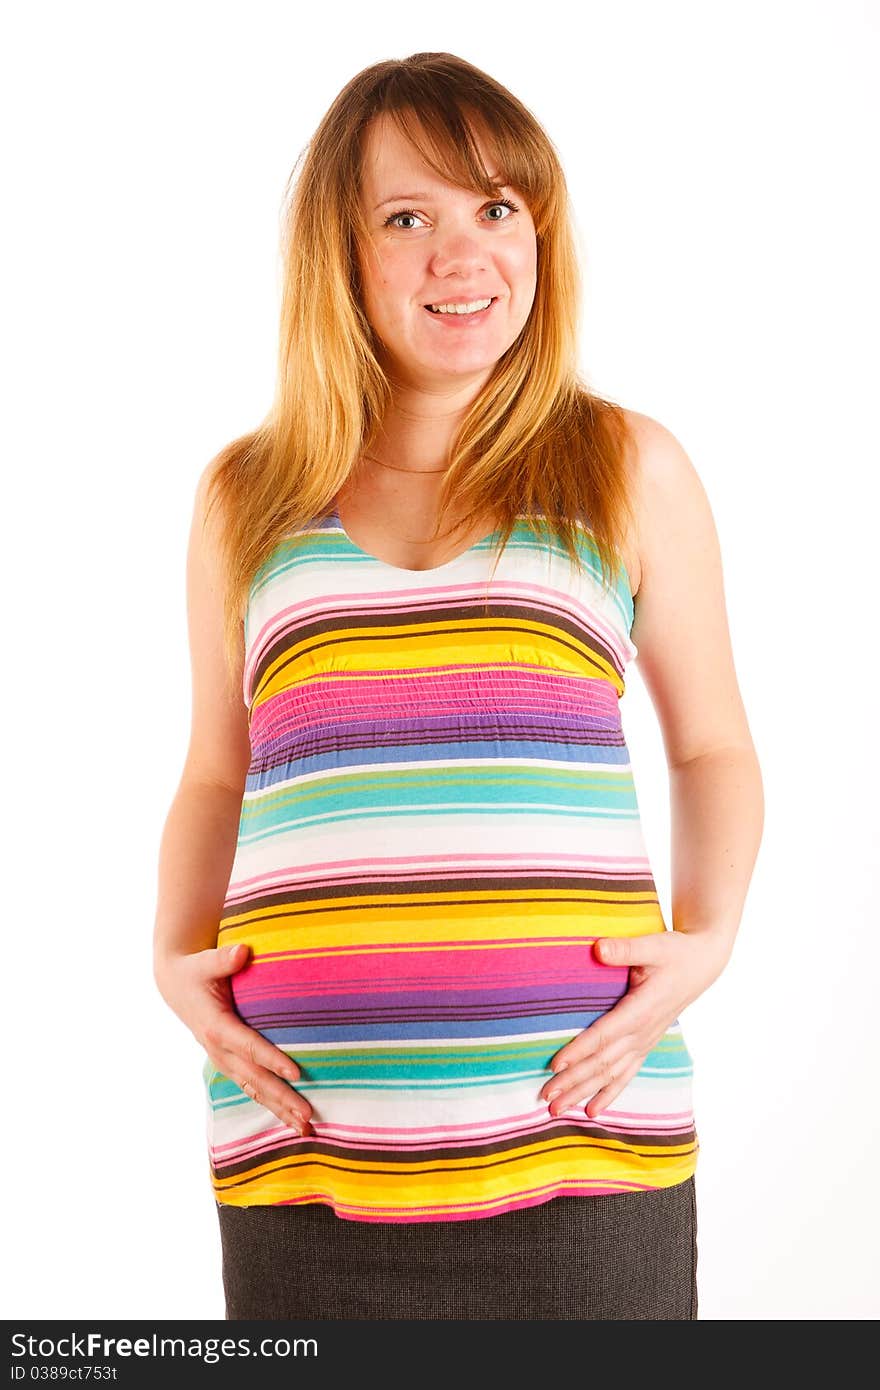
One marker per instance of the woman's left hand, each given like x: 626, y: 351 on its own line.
x: 668, y: 970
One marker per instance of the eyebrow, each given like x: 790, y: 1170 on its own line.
x: 411, y: 197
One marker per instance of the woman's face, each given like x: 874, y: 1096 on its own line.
x: 434, y: 243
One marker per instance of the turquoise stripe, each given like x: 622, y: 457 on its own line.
x: 514, y: 791
x: 332, y: 543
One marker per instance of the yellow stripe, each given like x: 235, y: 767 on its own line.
x: 428, y: 928
x: 593, y: 1161
x: 417, y: 645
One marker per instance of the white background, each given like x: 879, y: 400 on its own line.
x: 722, y: 164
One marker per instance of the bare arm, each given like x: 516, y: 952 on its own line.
x: 195, y: 858
x: 198, y: 842
x: 684, y: 653
x: 198, y: 849
x: 717, y: 804
x: 685, y: 657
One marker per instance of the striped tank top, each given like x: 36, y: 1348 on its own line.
x: 439, y: 820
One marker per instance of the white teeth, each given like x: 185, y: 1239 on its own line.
x: 460, y: 308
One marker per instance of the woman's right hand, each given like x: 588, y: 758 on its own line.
x: 196, y: 986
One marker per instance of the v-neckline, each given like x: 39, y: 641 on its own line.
x: 403, y: 569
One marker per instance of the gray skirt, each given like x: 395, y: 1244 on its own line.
x: 621, y: 1255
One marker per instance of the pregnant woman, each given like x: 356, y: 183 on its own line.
x: 405, y: 902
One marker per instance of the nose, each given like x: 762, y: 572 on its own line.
x: 459, y: 251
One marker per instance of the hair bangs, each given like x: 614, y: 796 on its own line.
x: 442, y: 124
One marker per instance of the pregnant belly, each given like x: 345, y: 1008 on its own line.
x: 410, y: 1032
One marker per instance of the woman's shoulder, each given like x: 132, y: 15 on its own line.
x: 660, y: 474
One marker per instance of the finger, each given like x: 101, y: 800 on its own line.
x: 264, y: 1088
x: 250, y: 1044
x: 250, y: 1055
x: 582, y: 1068
x: 603, y: 1098
x: 578, y: 1082
x: 631, y: 950
x: 621, y: 1021
x: 225, y: 960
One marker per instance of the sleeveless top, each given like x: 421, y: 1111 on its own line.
x: 439, y: 820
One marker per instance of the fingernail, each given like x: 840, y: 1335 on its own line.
x: 554, y: 1094
x: 561, y: 1067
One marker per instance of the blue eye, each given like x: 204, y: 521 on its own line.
x: 411, y: 212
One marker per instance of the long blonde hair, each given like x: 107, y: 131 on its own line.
x: 535, y: 440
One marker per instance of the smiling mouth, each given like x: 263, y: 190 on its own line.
x: 455, y: 315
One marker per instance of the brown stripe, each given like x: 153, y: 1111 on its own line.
x: 394, y: 1162
x: 443, y: 619
x: 644, y: 894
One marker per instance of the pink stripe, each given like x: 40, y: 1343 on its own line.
x: 535, y: 1122
x: 332, y: 871
x: 403, y: 948
x: 403, y: 970
x: 683, y: 1116
x: 489, y: 682
x: 313, y: 704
